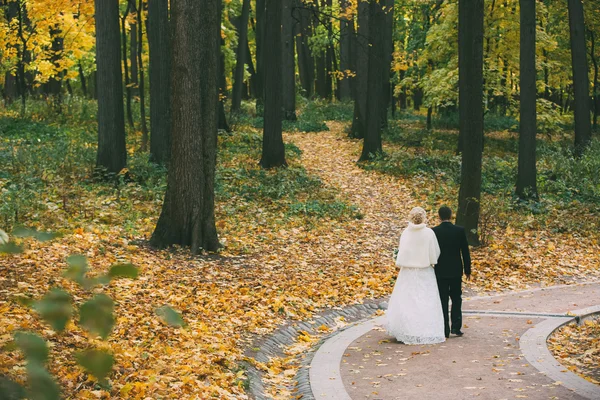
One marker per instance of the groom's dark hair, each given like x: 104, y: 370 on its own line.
x: 445, y: 213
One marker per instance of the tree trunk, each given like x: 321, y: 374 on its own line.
x: 403, y: 94
x: 346, y: 66
x: 581, y: 87
x: 141, y: 83
x: 54, y: 85
x: 273, y: 150
x: 596, y: 100
x: 362, y: 72
x: 388, y: 58
x: 160, y: 81
x: 128, y: 89
x: 187, y: 216
x: 83, y: 80
x: 260, y: 68
x: 372, y: 143
x: 223, y: 125
x: 470, y: 61
x: 526, y: 176
x: 112, y: 155
x: 238, y: 79
x: 306, y: 62
x: 288, y: 64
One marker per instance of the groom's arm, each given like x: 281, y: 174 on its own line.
x: 466, y: 255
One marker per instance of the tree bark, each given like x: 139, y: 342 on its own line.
x: 288, y: 64
x: 526, y: 175
x: 238, y: 79
x: 372, y: 143
x: 141, y: 82
x: 470, y: 62
x: 306, y: 62
x: 160, y: 81
x: 273, y: 149
x: 260, y: 40
x: 112, y: 155
x: 386, y: 65
x: 187, y: 216
x: 128, y: 88
x: 581, y: 87
x: 362, y: 72
x: 346, y: 65
x: 133, y: 47
x: 83, y: 80
x: 596, y: 91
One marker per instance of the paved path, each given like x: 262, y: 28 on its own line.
x: 487, y: 363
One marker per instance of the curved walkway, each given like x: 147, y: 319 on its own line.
x: 502, y: 355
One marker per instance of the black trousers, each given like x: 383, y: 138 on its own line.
x: 451, y: 288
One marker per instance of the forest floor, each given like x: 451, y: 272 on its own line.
x: 331, y: 245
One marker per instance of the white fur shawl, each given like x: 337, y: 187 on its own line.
x: 418, y: 247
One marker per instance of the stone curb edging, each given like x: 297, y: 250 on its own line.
x: 272, y: 346
x: 534, y: 346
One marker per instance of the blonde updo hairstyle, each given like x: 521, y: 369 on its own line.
x: 417, y: 216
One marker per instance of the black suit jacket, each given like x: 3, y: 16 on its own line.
x: 455, y: 254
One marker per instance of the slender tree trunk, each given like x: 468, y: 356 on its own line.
x: 11, y: 84
x: 346, y: 67
x: 581, y: 85
x: 112, y: 155
x: 386, y: 65
x: 128, y: 89
x: 54, y: 85
x: 238, y: 79
x: 160, y: 81
x: 470, y: 62
x: 251, y: 70
x: 403, y: 95
x: 596, y: 91
x: 187, y: 216
x: 526, y: 176
x: 260, y: 66
x: 83, y: 80
x: 273, y: 149
x: 372, y: 143
x: 133, y: 47
x: 362, y: 70
x: 223, y: 125
x: 141, y: 82
x: 306, y: 62
x: 288, y: 64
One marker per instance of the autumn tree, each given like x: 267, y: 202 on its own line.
x: 346, y: 53
x: 112, y: 155
x: 581, y: 83
x: 306, y: 62
x: 526, y: 176
x: 187, y: 216
x: 470, y: 64
x: 160, y: 80
x: 375, y: 99
x: 362, y: 72
x: 273, y: 149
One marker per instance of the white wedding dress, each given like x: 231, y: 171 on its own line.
x: 414, y: 314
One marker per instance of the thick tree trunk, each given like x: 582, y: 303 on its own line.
x: 526, y: 176
x: 362, y: 72
x: 260, y: 66
x: 187, y: 216
x: 141, y: 82
x: 112, y: 155
x: 133, y: 47
x: 238, y: 78
x: 288, y: 63
x: 346, y: 65
x: 372, y: 143
x: 273, y: 150
x: 160, y: 81
x: 470, y: 28
x: 581, y: 84
x: 306, y: 62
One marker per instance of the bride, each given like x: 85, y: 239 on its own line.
x: 414, y: 314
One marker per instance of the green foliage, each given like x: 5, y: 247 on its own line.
x: 99, y: 363
x: 42, y: 385
x: 96, y: 315
x: 55, y: 308
x: 170, y: 316
x: 33, y: 347
x: 123, y: 271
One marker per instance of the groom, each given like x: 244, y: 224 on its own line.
x: 453, y: 260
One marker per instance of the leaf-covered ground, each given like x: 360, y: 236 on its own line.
x: 577, y: 347
x: 289, y: 253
